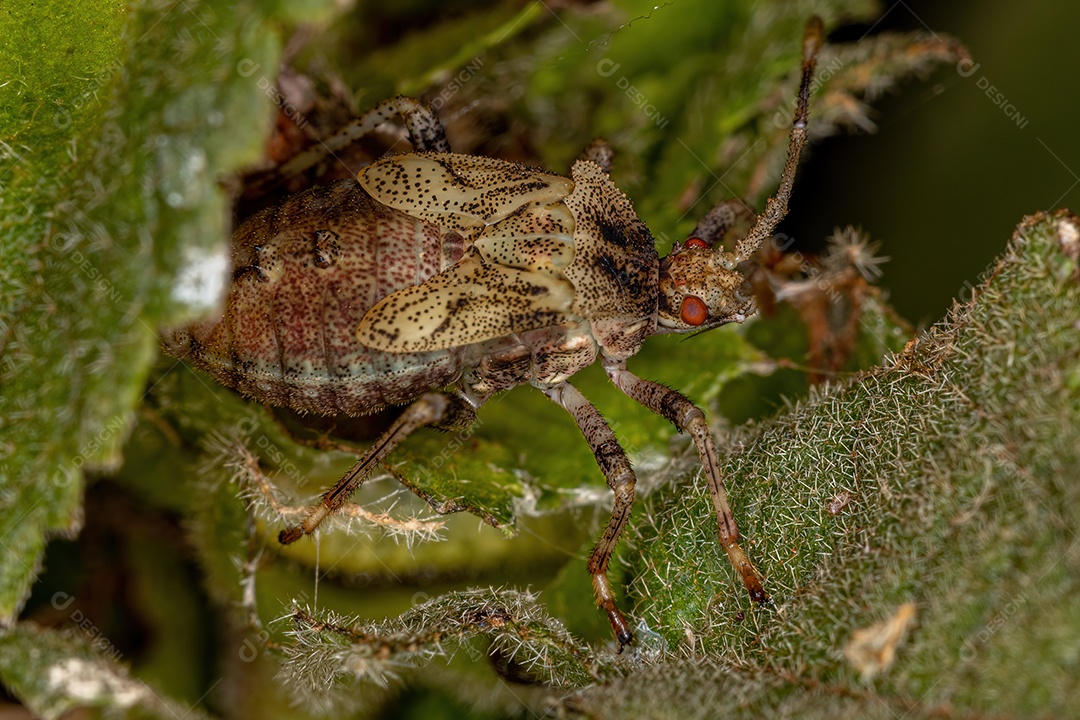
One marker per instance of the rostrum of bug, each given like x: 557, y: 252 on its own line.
x: 435, y: 280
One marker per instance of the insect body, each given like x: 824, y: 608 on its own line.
x: 437, y: 280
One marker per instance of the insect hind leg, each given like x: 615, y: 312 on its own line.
x: 426, y: 133
x: 432, y: 409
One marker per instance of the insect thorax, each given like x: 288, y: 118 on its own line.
x: 616, y: 268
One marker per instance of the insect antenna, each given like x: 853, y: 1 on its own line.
x: 777, y: 206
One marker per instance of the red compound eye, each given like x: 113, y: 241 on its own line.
x: 696, y: 242
x: 693, y: 311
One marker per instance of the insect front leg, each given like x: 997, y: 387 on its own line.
x: 686, y: 416
x: 620, y: 478
x: 721, y: 219
x: 600, y: 152
x: 430, y: 409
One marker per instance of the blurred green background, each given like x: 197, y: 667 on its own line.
x: 947, y: 169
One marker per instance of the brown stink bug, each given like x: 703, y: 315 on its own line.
x: 437, y: 280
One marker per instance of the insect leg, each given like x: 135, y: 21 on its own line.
x: 432, y: 408
x: 620, y: 477
x: 777, y: 205
x: 717, y: 222
x: 426, y: 132
x: 688, y: 417
x: 600, y: 152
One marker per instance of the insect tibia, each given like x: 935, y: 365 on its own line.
x: 686, y: 416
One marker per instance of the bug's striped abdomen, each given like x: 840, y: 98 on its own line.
x: 305, y: 273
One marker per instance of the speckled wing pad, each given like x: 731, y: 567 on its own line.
x: 512, y: 278
x: 473, y: 301
x: 461, y: 192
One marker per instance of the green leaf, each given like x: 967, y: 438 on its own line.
x: 347, y: 656
x: 114, y: 224
x: 54, y: 673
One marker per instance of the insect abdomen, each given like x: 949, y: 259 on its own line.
x: 305, y: 273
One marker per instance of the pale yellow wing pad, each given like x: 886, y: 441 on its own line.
x: 540, y: 239
x: 463, y: 192
x: 472, y: 301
